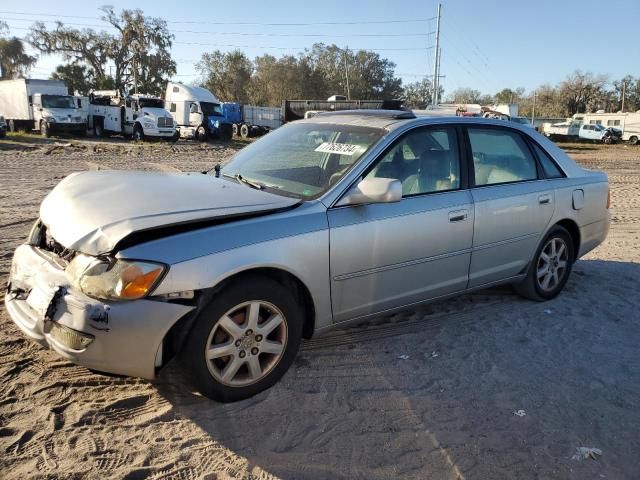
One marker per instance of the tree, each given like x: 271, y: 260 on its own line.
x: 507, y: 95
x: 418, y: 94
x: 582, y: 92
x: 227, y: 75
x: 14, y: 61
x: 140, y: 50
x: 78, y: 78
x: 361, y: 74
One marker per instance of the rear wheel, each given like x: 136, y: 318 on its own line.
x: 244, y: 340
x: 551, y: 267
x: 244, y: 131
x: 633, y: 140
x: 99, y: 130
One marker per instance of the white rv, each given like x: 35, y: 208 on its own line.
x: 138, y: 116
x: 197, y: 112
x: 42, y: 105
x: 628, y: 123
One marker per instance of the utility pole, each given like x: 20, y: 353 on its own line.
x: 624, y: 89
x: 533, y: 110
x: 436, y: 63
x: 346, y: 72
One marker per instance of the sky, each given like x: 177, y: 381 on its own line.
x: 486, y: 45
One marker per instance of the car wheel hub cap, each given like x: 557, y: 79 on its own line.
x: 246, y: 343
x: 552, y: 264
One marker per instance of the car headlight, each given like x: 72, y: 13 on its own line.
x: 114, y: 279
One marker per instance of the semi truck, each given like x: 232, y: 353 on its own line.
x: 137, y: 116
x: 197, y: 112
x: 43, y: 105
x: 251, y: 120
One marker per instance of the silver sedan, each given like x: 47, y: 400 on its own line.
x: 337, y: 218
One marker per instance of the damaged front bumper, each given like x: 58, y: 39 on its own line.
x: 116, y: 337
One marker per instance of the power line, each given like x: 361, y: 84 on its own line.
x: 201, y: 22
x: 249, y: 34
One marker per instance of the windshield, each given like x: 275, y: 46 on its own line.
x: 151, y: 103
x: 209, y: 108
x: 303, y: 159
x: 57, y: 101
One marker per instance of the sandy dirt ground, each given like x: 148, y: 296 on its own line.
x: 485, y: 386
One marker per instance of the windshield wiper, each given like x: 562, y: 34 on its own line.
x: 246, y: 181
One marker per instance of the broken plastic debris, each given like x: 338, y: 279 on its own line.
x: 434, y: 354
x: 520, y: 413
x: 547, y: 311
x: 403, y: 357
x: 583, y: 453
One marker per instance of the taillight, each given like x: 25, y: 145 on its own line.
x: 608, y: 197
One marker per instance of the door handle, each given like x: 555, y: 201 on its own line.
x: 544, y: 199
x: 458, y: 215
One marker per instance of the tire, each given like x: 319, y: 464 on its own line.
x: 225, y: 132
x: 633, y: 140
x: 235, y: 130
x: 540, y: 286
x: 44, y: 129
x: 224, y: 322
x: 607, y: 140
x: 245, y: 131
x: 138, y: 133
x: 12, y: 126
x: 174, y: 138
x: 201, y: 134
x: 99, y: 130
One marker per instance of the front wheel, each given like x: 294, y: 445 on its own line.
x: 201, y: 134
x: 44, y: 129
x: 138, y: 134
x: 244, y: 340
x: 550, y: 268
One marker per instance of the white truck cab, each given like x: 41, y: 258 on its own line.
x: 197, y: 112
x: 138, y: 115
x: 42, y: 105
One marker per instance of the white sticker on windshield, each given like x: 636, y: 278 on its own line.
x: 339, y: 148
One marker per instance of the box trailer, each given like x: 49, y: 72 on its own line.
x: 197, y: 112
x: 43, y: 105
x: 296, y: 109
x: 137, y: 116
x: 251, y: 120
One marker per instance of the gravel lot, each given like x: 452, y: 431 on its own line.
x: 428, y: 393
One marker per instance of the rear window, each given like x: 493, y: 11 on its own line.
x: 551, y: 170
x: 500, y: 156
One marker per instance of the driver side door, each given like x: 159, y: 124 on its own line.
x: 388, y: 255
x: 195, y: 116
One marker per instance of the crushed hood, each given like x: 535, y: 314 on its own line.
x: 92, y: 211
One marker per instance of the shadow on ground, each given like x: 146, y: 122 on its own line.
x: 437, y: 400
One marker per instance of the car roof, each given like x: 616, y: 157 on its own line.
x: 392, y: 119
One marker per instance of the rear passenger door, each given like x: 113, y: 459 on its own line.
x: 512, y: 203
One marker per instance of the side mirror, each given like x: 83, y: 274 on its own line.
x: 373, y: 190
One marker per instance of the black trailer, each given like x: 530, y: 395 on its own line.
x: 296, y: 109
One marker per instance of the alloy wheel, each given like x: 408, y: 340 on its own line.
x: 246, y: 343
x: 552, y: 264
